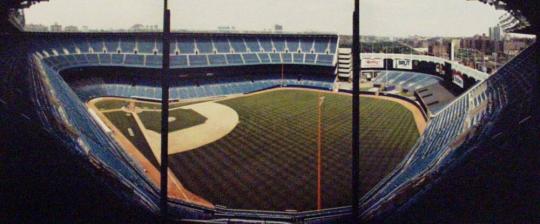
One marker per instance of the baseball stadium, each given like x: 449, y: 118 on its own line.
x: 259, y: 125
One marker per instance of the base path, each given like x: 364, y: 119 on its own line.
x: 220, y: 121
x: 175, y: 188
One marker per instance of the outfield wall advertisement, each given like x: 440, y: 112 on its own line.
x: 372, y: 63
x: 458, y: 80
x: 403, y: 64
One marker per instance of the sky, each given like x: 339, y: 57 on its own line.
x: 378, y: 17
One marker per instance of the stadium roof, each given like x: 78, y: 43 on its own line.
x: 523, y: 15
x: 13, y: 4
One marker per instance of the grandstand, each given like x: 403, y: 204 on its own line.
x: 188, y: 51
x: 46, y: 79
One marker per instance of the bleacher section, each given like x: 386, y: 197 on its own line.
x: 486, y: 111
x: 435, y: 97
x: 409, y: 81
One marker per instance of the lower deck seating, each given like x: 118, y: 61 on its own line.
x: 487, y: 110
x: 89, y: 88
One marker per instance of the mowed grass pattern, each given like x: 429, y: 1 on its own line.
x: 125, y: 121
x: 268, y: 162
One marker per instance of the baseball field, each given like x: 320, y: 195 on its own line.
x: 259, y: 151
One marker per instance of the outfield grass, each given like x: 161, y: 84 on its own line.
x: 269, y: 160
x: 125, y: 121
x: 184, y: 118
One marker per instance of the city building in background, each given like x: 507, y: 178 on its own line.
x: 56, y: 28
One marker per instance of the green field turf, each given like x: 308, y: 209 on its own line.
x: 268, y: 161
x: 145, y: 105
x: 185, y: 118
x: 111, y: 104
x: 123, y: 121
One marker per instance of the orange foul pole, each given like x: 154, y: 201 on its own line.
x: 319, y: 154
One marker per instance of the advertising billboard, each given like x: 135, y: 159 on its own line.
x: 372, y: 63
x: 458, y: 80
x: 439, y: 69
x: 403, y: 64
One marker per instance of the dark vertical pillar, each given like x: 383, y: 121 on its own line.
x: 165, y: 113
x: 536, y: 91
x: 356, y: 114
x: 448, y: 74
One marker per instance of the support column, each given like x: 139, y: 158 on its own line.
x: 356, y: 114
x: 164, y: 166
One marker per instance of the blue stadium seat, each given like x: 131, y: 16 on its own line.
x: 251, y: 58
x: 321, y: 45
x: 222, y: 45
x: 111, y: 45
x: 325, y: 59
x: 198, y: 60
x: 266, y: 44
x: 253, y: 44
x: 92, y: 59
x: 118, y: 58
x: 293, y: 44
x: 133, y: 59
x: 96, y: 44
x: 287, y: 57
x: 298, y: 58
x: 234, y: 59
x: 204, y: 45
x: 179, y: 61
x: 279, y: 44
x: 186, y: 45
x: 275, y: 57
x: 217, y: 59
x: 154, y: 60
x: 238, y: 45
x: 105, y: 59
x: 310, y: 58
x: 127, y: 46
x: 306, y: 45
x: 146, y: 46
x: 264, y: 58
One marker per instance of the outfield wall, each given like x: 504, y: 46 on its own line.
x: 439, y: 67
